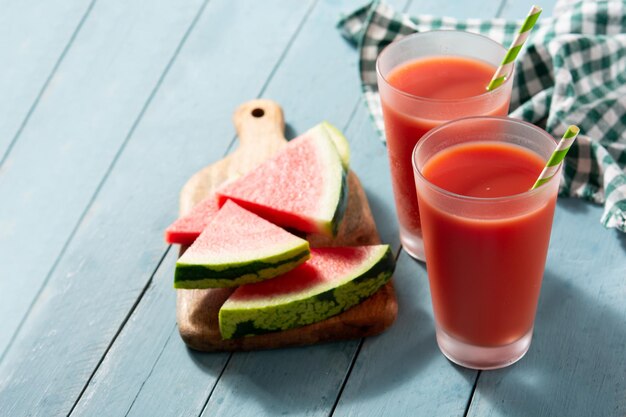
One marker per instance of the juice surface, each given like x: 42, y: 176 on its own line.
x: 442, y: 77
x: 484, y: 169
x: 438, y: 77
x: 485, y: 275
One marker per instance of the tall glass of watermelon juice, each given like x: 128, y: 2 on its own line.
x: 486, y: 234
x: 424, y: 80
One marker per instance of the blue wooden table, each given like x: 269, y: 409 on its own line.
x: 107, y: 107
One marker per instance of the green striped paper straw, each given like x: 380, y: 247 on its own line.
x: 557, y: 156
x: 506, y: 67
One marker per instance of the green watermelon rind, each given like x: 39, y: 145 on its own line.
x: 331, y: 226
x: 194, y: 276
x: 343, y: 150
x: 340, y: 141
x: 240, y: 320
x: 331, y: 202
x: 342, y: 206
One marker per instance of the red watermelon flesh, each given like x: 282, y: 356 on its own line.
x: 238, y: 247
x: 325, y: 266
x: 302, y: 187
x: 185, y: 230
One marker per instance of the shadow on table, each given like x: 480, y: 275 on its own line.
x: 273, y: 382
x: 283, y: 381
x: 210, y: 363
x: 403, y: 365
x: 576, y: 365
x: 574, y: 205
x: 300, y: 380
x: 621, y: 237
x: 290, y: 132
x: 385, y: 218
x: 403, y: 368
x: 390, y: 364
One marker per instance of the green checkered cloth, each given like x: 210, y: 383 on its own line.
x: 572, y: 71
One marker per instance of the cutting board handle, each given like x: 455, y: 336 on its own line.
x: 257, y: 120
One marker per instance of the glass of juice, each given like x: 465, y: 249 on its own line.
x: 424, y: 80
x: 486, y: 234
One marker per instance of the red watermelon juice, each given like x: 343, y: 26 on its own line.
x: 421, y: 93
x: 486, y: 237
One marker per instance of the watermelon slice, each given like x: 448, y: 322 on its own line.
x: 333, y: 280
x: 302, y: 187
x: 238, y: 247
x: 186, y: 229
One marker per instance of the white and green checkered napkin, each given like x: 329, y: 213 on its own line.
x: 571, y: 72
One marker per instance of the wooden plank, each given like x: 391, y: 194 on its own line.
x: 319, y: 78
x: 475, y: 9
x: 74, y: 134
x: 576, y: 362
x: 115, y: 388
x: 179, y: 383
x: 402, y: 372
x: 35, y: 35
x: 519, y: 9
x: 119, y: 242
x: 297, y: 381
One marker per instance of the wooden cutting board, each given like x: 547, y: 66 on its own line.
x: 260, y: 126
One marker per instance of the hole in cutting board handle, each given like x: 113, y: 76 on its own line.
x: 258, y: 112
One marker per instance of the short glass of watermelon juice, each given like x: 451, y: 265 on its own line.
x: 486, y: 234
x: 424, y: 80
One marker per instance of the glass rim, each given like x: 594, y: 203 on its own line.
x: 408, y: 38
x: 484, y: 200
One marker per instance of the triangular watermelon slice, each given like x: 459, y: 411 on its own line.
x: 185, y: 230
x: 302, y: 187
x: 238, y: 247
x: 333, y: 280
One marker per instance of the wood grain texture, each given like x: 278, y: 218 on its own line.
x: 260, y: 127
x: 402, y: 372
x: 481, y: 10
x: 35, y: 35
x: 300, y: 381
x: 73, y: 136
x: 119, y: 242
x: 118, y: 386
x: 519, y: 9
